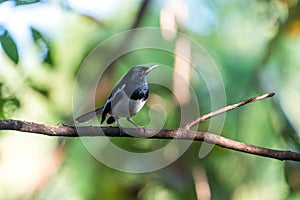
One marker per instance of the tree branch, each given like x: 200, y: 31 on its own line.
x: 225, y: 109
x: 179, y: 134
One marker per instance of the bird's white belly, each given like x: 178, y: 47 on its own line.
x: 121, y: 108
x: 127, y: 107
x: 136, y: 106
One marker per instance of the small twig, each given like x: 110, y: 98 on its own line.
x: 225, y: 109
x: 179, y: 134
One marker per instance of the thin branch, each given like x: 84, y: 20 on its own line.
x: 179, y: 134
x: 142, y: 10
x: 225, y: 109
x: 140, y: 14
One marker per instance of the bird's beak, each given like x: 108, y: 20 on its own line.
x: 151, y: 68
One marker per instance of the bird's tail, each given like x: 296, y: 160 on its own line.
x: 88, y: 116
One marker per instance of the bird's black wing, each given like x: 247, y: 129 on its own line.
x: 138, y: 98
x: 141, y: 93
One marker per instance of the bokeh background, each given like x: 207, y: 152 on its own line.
x: 255, y: 44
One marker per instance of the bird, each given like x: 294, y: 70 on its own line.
x: 126, y: 99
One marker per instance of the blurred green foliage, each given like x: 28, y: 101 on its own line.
x: 255, y: 45
x: 43, y: 45
x: 8, y: 102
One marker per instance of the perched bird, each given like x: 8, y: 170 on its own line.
x: 126, y: 99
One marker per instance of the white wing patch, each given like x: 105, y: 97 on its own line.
x: 118, y: 91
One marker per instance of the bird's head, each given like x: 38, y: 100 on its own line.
x: 140, y: 72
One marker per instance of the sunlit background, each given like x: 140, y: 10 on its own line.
x: 255, y: 44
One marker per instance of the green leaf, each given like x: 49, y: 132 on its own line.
x: 9, y: 46
x: 1, y: 1
x: 25, y: 2
x: 43, y: 45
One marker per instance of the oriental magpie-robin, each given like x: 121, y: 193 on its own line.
x: 126, y: 99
